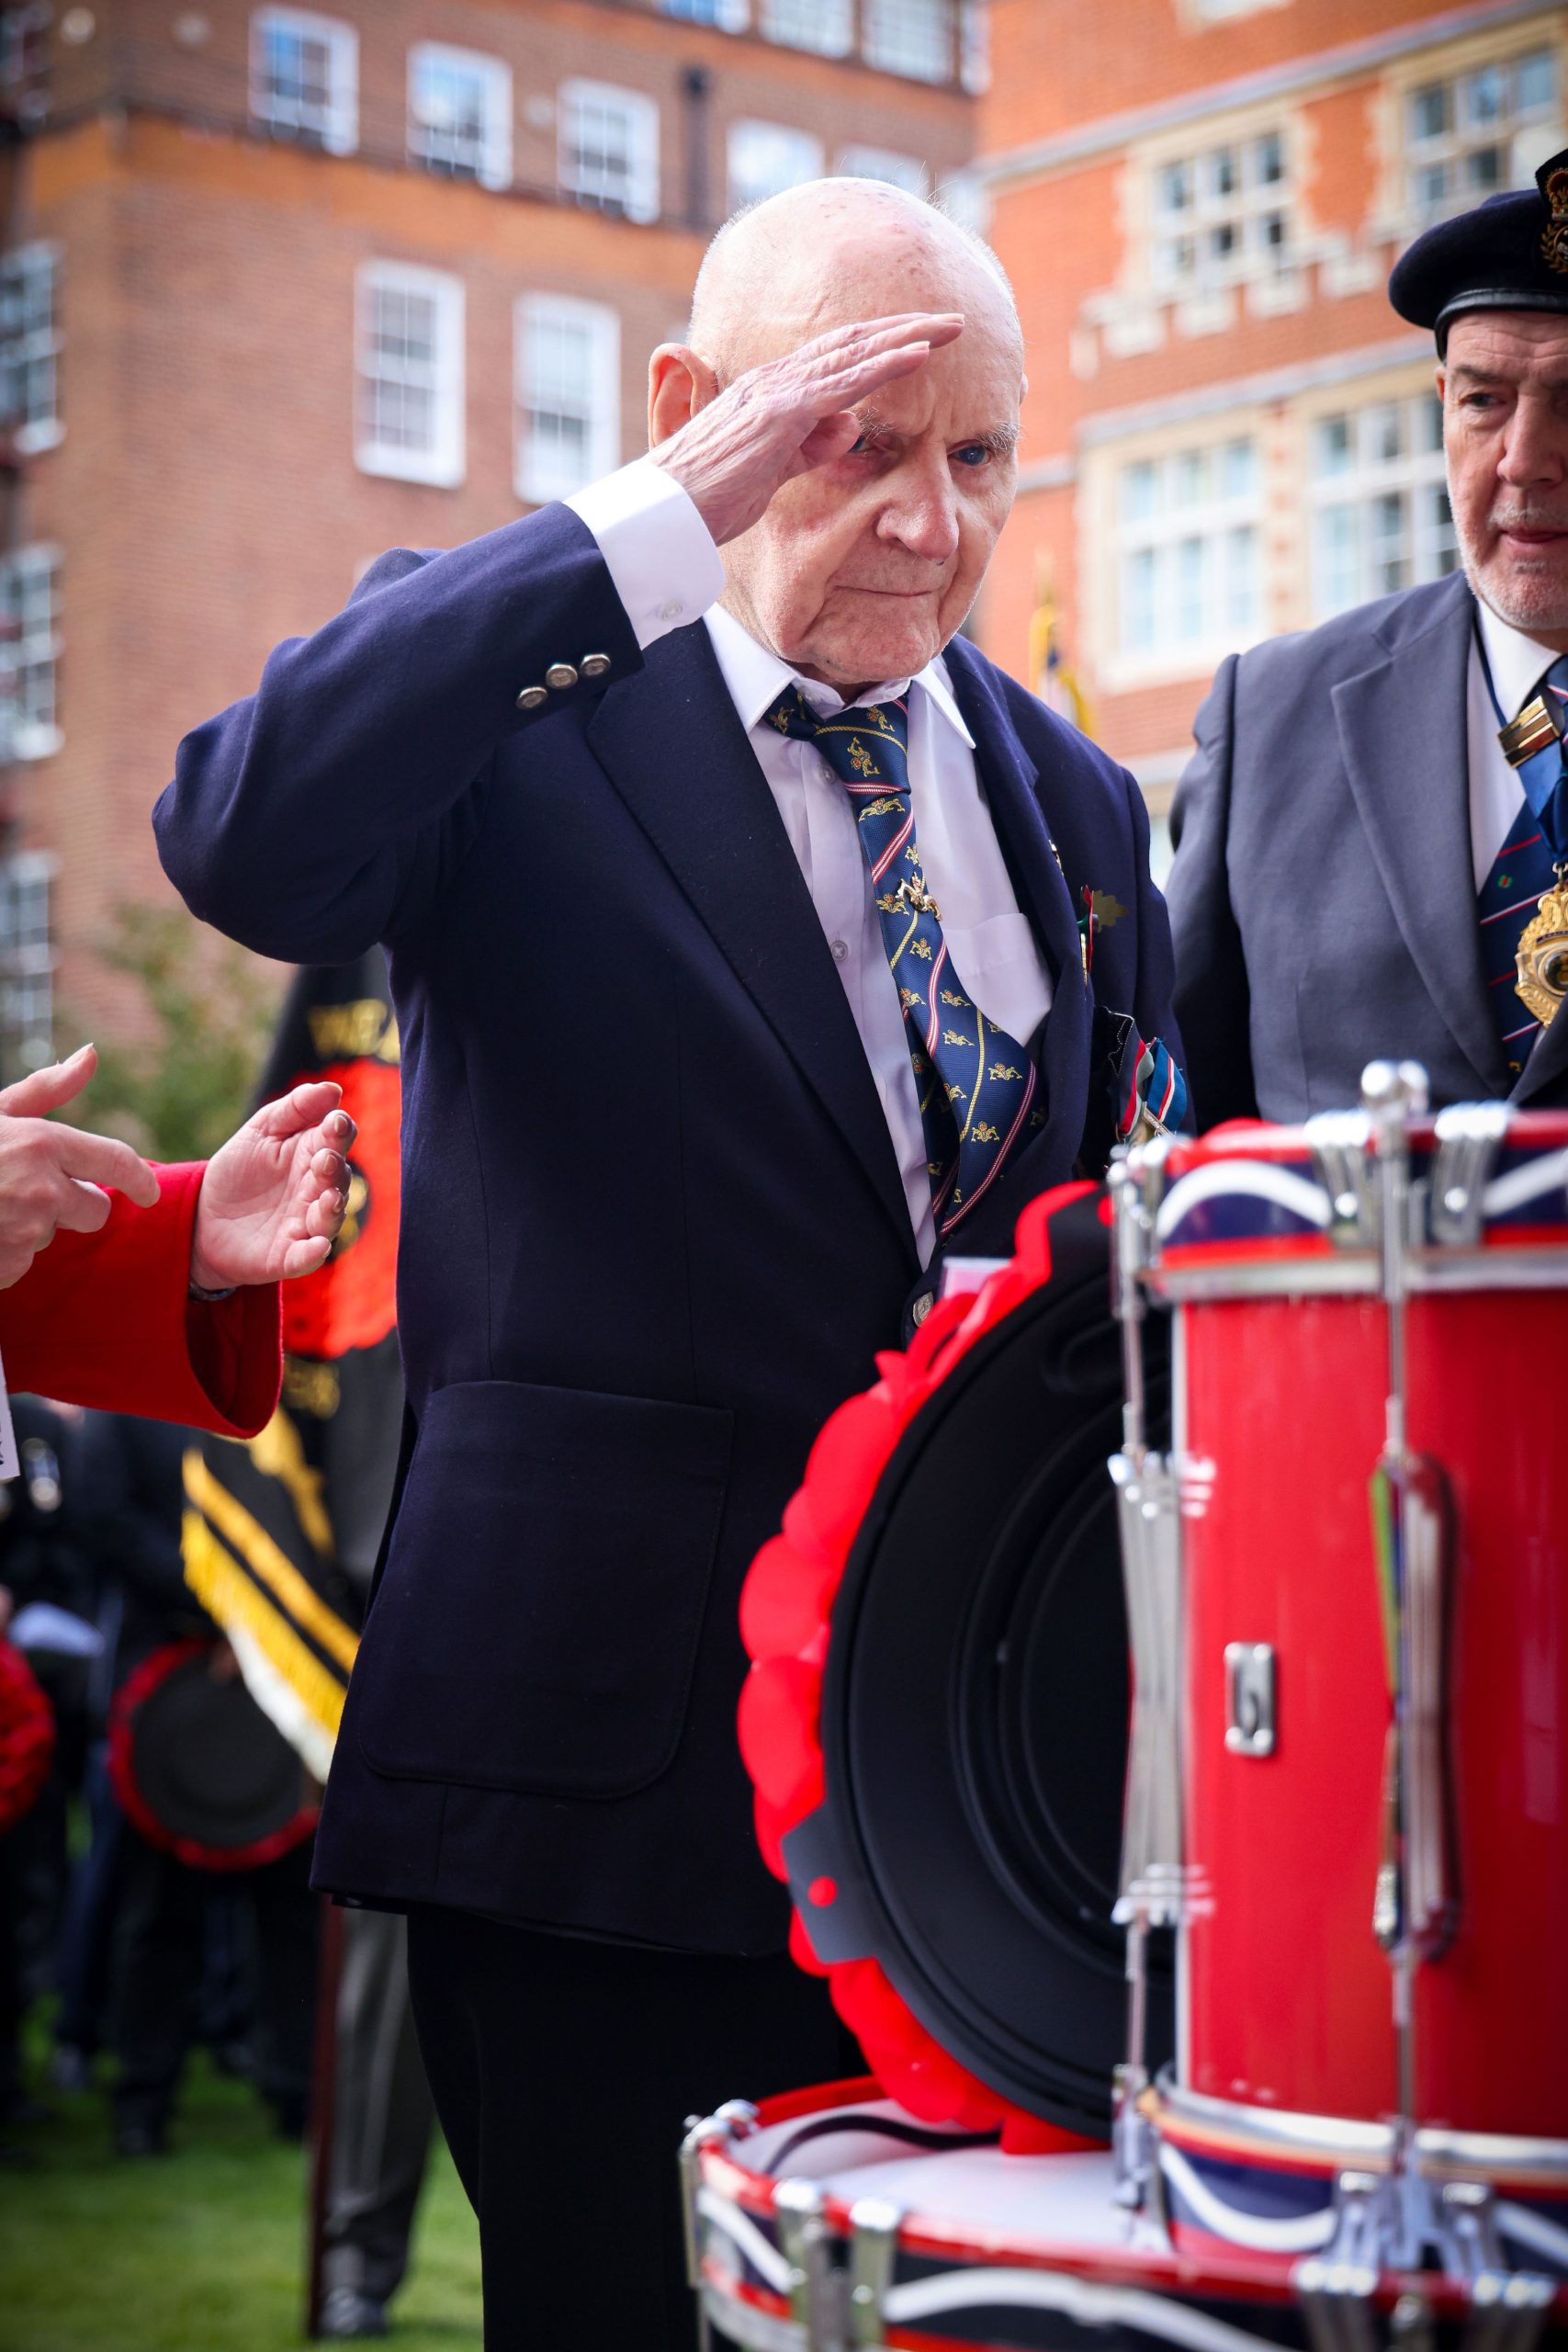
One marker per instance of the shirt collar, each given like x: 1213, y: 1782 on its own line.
x: 756, y: 678
x: 1517, y: 663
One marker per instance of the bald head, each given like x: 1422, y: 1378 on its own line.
x: 833, y: 251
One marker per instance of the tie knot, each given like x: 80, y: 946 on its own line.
x: 865, y: 743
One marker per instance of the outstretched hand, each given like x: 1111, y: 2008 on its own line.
x: 784, y: 417
x: 271, y: 1200
x: 52, y: 1176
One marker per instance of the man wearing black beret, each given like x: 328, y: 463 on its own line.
x: 1372, y: 835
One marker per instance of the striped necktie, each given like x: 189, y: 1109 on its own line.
x: 1522, y: 872
x: 977, y: 1087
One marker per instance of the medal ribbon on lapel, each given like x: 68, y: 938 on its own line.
x: 1524, y: 901
x: 976, y: 1085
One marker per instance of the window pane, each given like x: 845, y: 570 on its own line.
x: 1483, y: 96
x: 1138, y: 496
x: 1381, y: 433
x: 1192, y: 484
x: 1270, y: 159
x: 1429, y: 111
x: 1430, y: 421
x: 911, y: 37
x: 1483, y: 167
x: 765, y: 157
x: 1335, y: 564
x: 1240, y: 470
x: 1138, y: 602
x: 1174, y: 188
x: 1535, y: 82
x: 825, y: 26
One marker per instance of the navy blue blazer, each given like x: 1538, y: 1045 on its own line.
x: 653, y: 1225
x: 1323, y: 890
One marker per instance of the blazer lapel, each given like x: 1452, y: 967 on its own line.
x: 671, y: 742
x: 1403, y: 737
x: 1548, y: 1060
x: 1012, y: 786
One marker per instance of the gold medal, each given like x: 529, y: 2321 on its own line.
x: 1543, y: 953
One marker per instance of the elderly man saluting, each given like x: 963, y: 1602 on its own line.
x: 1372, y: 831
x: 740, y: 919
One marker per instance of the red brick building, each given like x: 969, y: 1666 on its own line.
x: 283, y: 286
x: 1229, y: 432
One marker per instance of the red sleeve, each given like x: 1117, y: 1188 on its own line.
x: 106, y: 1319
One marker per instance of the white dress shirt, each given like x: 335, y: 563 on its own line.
x: 666, y: 572
x: 1518, y: 663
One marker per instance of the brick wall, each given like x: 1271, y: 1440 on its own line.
x: 205, y: 495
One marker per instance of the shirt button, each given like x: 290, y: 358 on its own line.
x: 671, y: 611
x: 532, y: 697
x: 559, y: 676
x: 841, y: 951
x: 922, y: 1306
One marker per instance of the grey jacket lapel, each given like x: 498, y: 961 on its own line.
x: 1403, y: 737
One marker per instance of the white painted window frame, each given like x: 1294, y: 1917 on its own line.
x: 34, y: 346
x: 1450, y: 150
x: 1213, y: 526
x: 491, y: 164
x: 639, y: 199
x: 885, y: 163
x: 32, y: 723
x: 821, y: 27
x: 913, y: 39
x: 27, y: 962
x: 727, y: 17
x: 1244, y: 209
x: 752, y: 131
x: 535, y: 480
x: 338, y: 126
x: 441, y: 464
x: 1412, y: 475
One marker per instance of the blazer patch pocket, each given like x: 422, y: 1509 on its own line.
x: 537, y: 1622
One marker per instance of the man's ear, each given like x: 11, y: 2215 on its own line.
x: 679, y: 382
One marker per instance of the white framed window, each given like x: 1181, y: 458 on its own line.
x: 827, y: 28
x: 409, y: 373
x: 1459, y: 133
x: 460, y: 113
x: 29, y: 652
x: 305, y: 78
x: 1188, y: 555
x: 27, y: 962
x: 24, y: 57
x: 975, y: 46
x: 767, y: 156
x: 1380, y: 502
x: 608, y: 153
x: 882, y: 164
x: 1221, y: 216
x: 29, y: 346
x: 730, y: 15
x: 909, y: 37
x: 568, y: 372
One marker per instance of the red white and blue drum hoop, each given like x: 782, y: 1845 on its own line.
x: 980, y: 2248
x: 1244, y: 1196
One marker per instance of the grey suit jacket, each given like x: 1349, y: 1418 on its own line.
x: 1323, y: 898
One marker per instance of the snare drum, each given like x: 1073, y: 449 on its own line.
x: 832, y: 2218
x: 1361, y: 1824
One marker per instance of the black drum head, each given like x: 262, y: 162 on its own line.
x: 976, y: 1703
x: 208, y: 1765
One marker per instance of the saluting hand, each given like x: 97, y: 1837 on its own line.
x: 51, y: 1175
x: 272, y: 1201
x: 740, y: 445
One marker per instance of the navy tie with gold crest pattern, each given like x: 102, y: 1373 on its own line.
x: 976, y: 1086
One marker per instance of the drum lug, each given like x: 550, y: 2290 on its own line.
x: 1507, y: 2309
x: 1339, y: 1141
x: 874, y: 2242
x: 1468, y: 1137
x: 816, y: 2285
x: 1335, y: 2288
x: 732, y: 2121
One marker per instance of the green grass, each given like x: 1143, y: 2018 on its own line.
x: 201, y: 2250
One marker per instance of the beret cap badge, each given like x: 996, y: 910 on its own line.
x: 1554, y: 236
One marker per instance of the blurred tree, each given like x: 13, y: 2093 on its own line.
x: 178, y: 1089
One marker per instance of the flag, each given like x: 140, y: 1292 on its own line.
x: 1049, y: 674
x: 281, y: 1534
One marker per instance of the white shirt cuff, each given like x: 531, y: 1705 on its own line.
x: 660, y: 555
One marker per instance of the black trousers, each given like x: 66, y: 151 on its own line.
x: 564, y: 2072
x: 384, y: 2116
